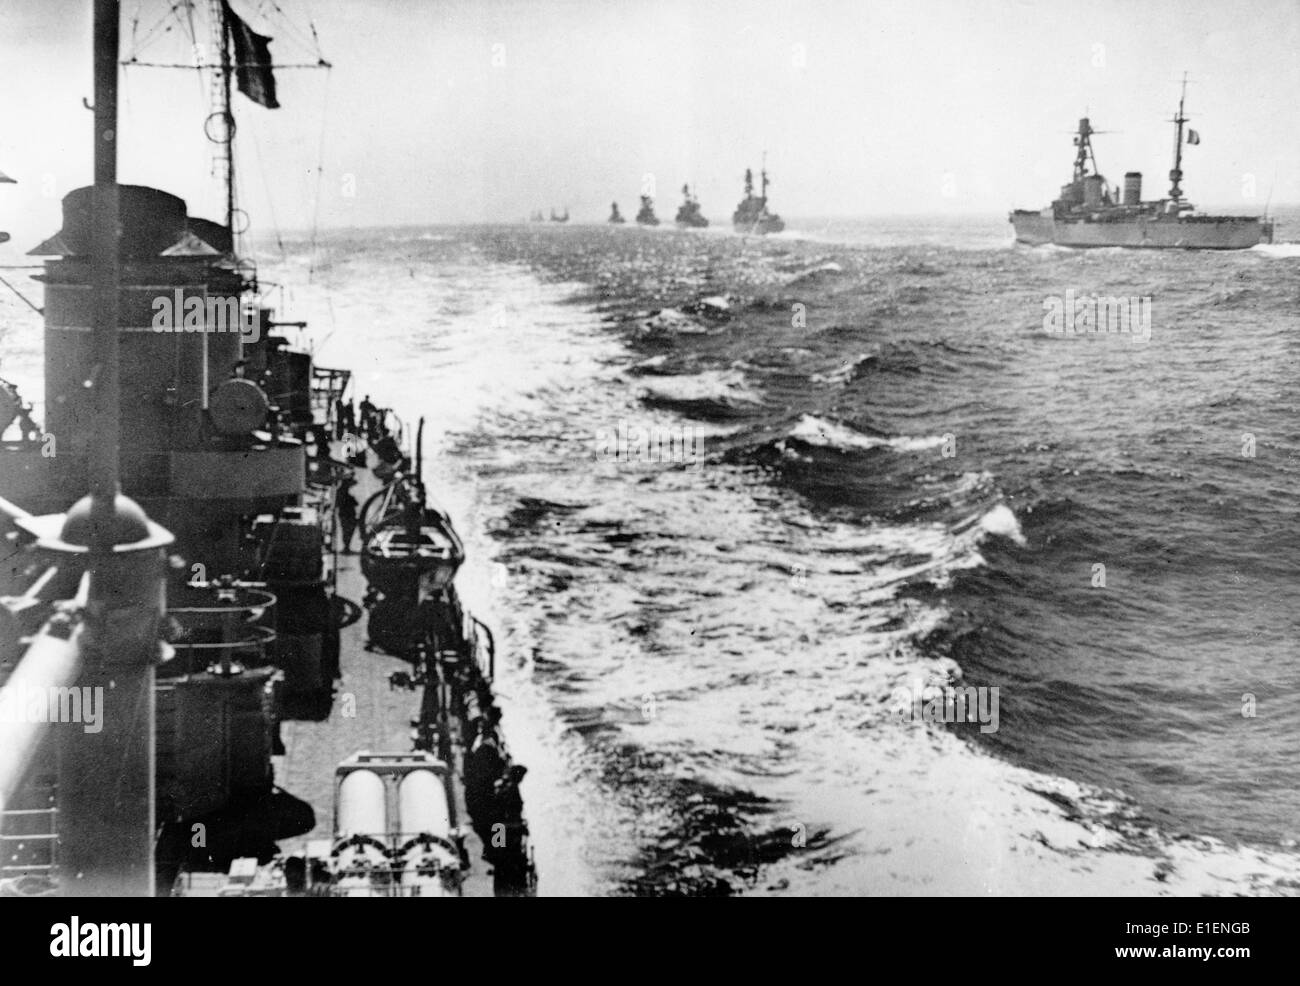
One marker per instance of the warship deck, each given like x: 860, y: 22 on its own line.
x: 367, y: 714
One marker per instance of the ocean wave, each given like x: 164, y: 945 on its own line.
x: 653, y: 366
x: 845, y: 373
x: 814, y: 274
x: 716, y: 307
x: 1001, y: 521
x: 722, y: 385
x: 677, y: 322
x: 812, y: 430
x: 1238, y: 297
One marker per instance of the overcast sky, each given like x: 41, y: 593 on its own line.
x: 468, y: 111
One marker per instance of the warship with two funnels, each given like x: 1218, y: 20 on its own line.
x: 752, y: 215
x: 1089, y: 214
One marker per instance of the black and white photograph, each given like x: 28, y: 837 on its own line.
x: 754, y: 448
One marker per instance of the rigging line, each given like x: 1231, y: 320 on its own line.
x: 30, y: 304
x: 269, y: 23
x: 135, y: 23
x: 320, y: 175
x: 194, y: 47
x: 292, y: 32
x: 190, y: 31
x: 311, y: 23
x: 270, y: 196
x: 164, y: 19
x: 294, y: 29
x: 138, y: 42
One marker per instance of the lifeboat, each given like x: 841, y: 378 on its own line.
x: 426, y: 553
x: 410, y: 557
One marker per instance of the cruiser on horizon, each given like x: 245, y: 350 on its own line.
x: 751, y: 216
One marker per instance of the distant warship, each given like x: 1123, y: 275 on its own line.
x: 647, y: 217
x: 558, y: 217
x: 615, y: 216
x: 1088, y: 214
x: 536, y: 217
x: 689, y: 214
x: 751, y: 216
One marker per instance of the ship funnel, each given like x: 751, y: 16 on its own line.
x: 1133, y: 188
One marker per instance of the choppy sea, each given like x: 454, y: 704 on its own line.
x: 883, y: 473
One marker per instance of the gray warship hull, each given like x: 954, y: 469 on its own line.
x: 1183, y: 233
x: 761, y: 225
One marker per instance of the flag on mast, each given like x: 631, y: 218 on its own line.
x: 252, y: 60
x: 1192, y: 136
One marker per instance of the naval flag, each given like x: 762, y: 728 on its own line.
x: 252, y: 60
x: 1192, y: 136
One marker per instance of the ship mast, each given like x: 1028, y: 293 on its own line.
x: 1176, y: 175
x: 223, y: 72
x: 104, y: 485
x: 763, y: 196
x: 222, y: 28
x: 106, y: 787
x: 1084, y: 155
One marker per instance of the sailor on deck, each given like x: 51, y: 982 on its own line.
x: 367, y: 416
x: 347, y: 507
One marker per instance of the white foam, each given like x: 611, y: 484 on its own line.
x: 830, y: 267
x: 1290, y: 249
x: 710, y: 384
x: 844, y: 373
x: 1001, y: 520
x: 828, y: 434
